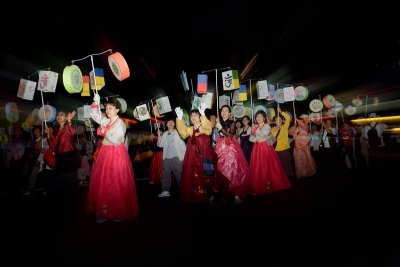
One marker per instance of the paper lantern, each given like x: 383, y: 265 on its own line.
x: 259, y: 107
x: 242, y: 93
x: 248, y: 112
x: 238, y: 111
x: 143, y: 113
x: 206, y: 99
x: 124, y: 106
x: 316, y: 105
x: 300, y: 93
x: 163, y: 104
x: 26, y: 89
x: 72, y: 79
x: 11, y: 110
x: 280, y: 96
x: 329, y: 101
x: 100, y: 82
x: 202, y: 83
x: 288, y: 93
x: 118, y: 66
x: 230, y: 80
x: 262, y: 89
x: 85, y: 87
x: 47, y: 81
x: 47, y: 113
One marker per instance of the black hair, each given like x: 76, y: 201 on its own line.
x: 114, y: 102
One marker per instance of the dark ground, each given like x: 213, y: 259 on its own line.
x: 338, y: 218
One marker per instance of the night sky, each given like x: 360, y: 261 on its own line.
x: 331, y: 49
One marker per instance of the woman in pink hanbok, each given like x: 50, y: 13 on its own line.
x: 112, y: 189
x: 231, y: 160
x: 303, y: 160
x: 267, y: 172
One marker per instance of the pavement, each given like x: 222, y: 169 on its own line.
x: 336, y: 218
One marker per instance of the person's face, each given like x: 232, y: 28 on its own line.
x: 61, y: 117
x: 37, y: 133
x: 111, y: 111
x: 245, y: 121
x: 225, y: 114
x: 194, y: 118
x: 238, y: 125
x: 213, y: 120
x: 328, y: 123
x: 278, y: 121
x: 170, y: 125
x: 260, y: 119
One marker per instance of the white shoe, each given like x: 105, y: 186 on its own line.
x: 164, y: 194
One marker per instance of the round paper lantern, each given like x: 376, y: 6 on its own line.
x: 118, y: 66
x: 315, y: 116
x: 330, y: 113
x: 124, y: 106
x: 47, y: 113
x: 316, y: 105
x: 350, y: 110
x: 338, y: 107
x: 11, y: 110
x: 357, y: 102
x: 280, y: 96
x: 329, y: 101
x: 300, y: 93
x: 271, y: 114
x: 35, y: 116
x: 72, y: 79
x: 248, y: 112
x: 238, y: 111
x: 259, y: 107
x: 136, y: 114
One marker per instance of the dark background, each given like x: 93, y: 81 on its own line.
x: 330, y: 48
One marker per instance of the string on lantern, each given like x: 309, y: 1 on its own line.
x: 96, y: 97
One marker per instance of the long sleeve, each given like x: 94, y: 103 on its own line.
x: 286, y: 124
x: 263, y: 133
x: 116, y: 134
x: 183, y: 130
x: 231, y: 126
x: 205, y: 125
x: 163, y: 140
x: 97, y: 116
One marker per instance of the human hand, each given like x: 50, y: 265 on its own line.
x: 70, y: 116
x: 218, y: 125
x: 96, y: 98
x: 179, y: 113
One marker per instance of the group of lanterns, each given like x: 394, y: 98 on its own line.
x: 75, y: 82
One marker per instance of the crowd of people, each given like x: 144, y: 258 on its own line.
x: 215, y: 158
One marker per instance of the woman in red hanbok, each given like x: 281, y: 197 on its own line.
x: 156, y: 163
x: 112, y: 190
x: 231, y: 160
x: 193, y: 188
x: 267, y: 172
